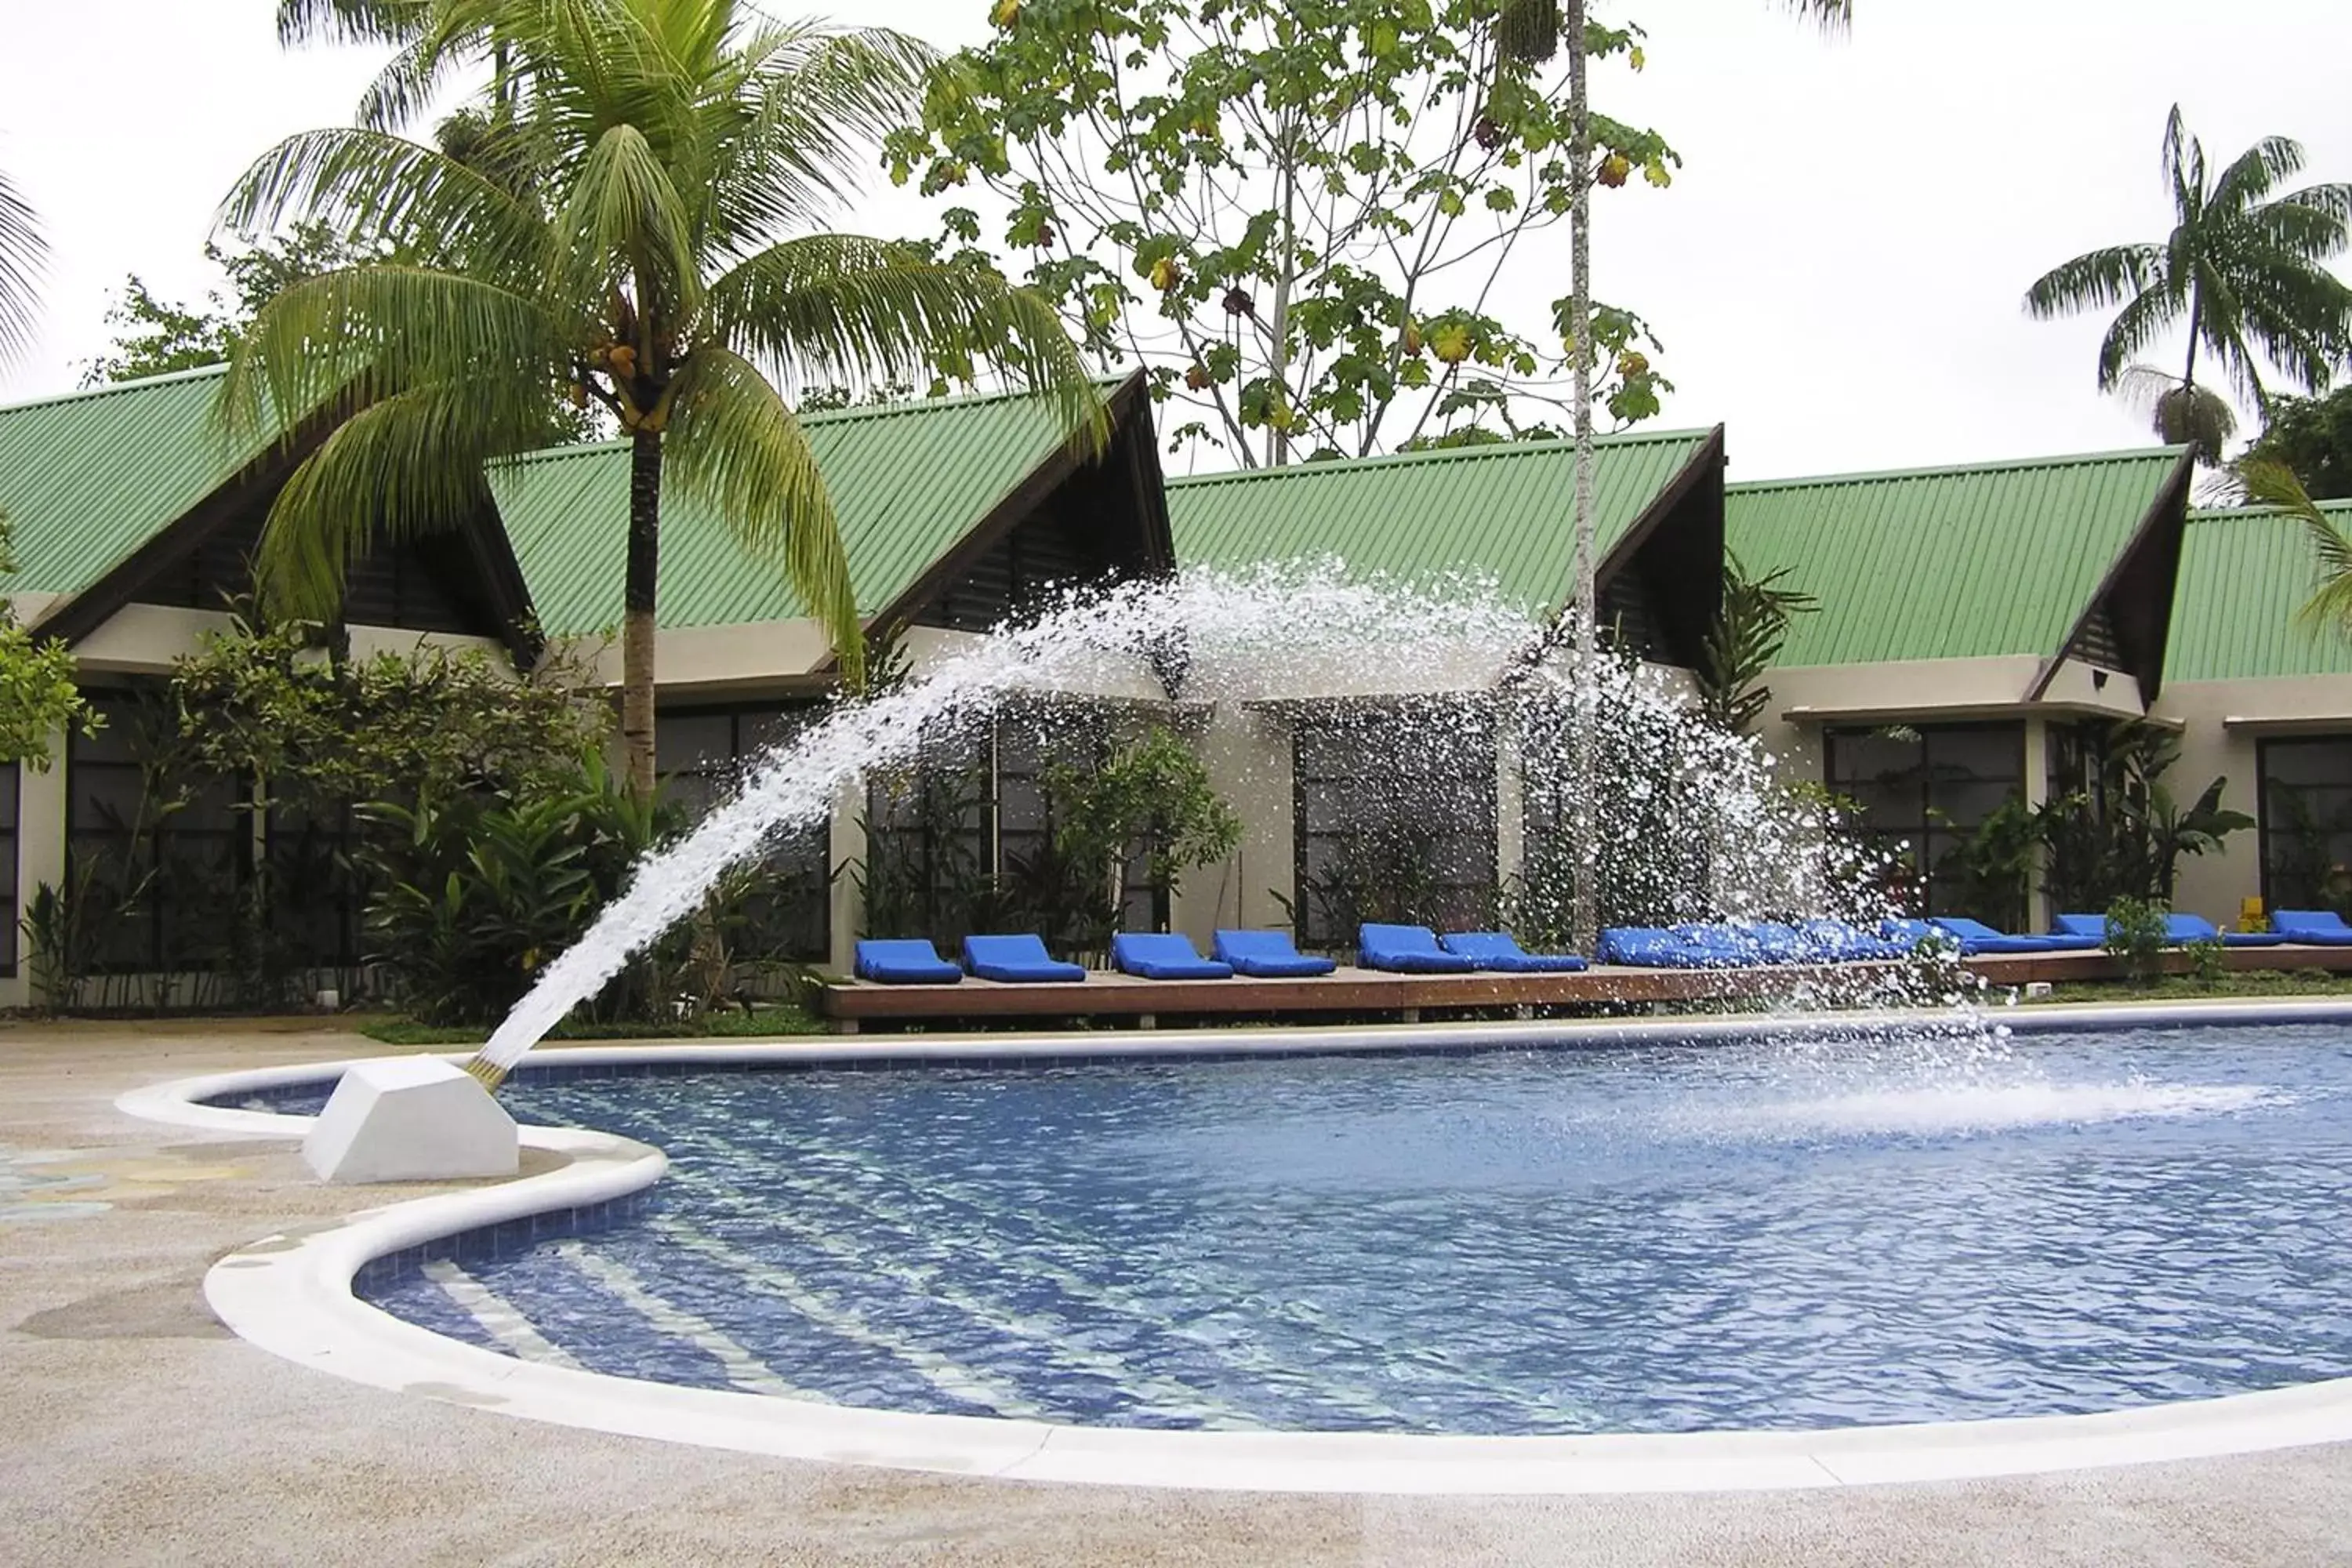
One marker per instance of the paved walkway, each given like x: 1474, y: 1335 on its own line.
x: 135, y: 1429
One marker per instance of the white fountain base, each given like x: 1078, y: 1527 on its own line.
x: 411, y: 1119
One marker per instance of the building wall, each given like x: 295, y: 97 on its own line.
x: 2214, y: 884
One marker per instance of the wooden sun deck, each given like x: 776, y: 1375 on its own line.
x: 1112, y: 998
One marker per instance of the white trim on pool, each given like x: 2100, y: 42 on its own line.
x: 291, y: 1294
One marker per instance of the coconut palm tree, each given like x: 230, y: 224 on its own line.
x: 672, y: 141
x: 22, y: 253
x: 2243, y: 267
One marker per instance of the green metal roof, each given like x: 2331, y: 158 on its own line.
x: 1503, y: 510
x: 90, y: 476
x: 2243, y: 577
x: 1964, y: 562
x: 907, y: 480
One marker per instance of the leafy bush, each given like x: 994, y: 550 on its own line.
x: 2205, y: 960
x: 2136, y: 936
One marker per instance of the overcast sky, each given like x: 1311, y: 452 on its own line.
x: 1835, y: 273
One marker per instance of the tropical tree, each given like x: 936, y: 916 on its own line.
x: 22, y: 253
x: 2265, y: 481
x: 2312, y: 436
x: 668, y: 143
x: 1534, y: 30
x: 2244, y: 269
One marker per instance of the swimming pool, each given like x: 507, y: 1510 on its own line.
x: 1639, y: 1239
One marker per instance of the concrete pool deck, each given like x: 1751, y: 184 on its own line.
x: 138, y: 1431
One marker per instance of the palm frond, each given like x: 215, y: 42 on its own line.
x: 843, y: 310
x: 2138, y: 324
x: 1835, y: 16
x: 23, y: 256
x: 624, y: 223
x: 379, y: 332
x: 734, y: 445
x: 2265, y: 483
x: 408, y: 465
x: 819, y: 103
x: 2184, y: 166
x: 2096, y: 280
x: 349, y: 21
x: 2298, y: 231
x: 382, y: 191
x: 2253, y: 174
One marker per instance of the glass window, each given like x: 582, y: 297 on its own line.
x: 2306, y: 822
x: 1395, y: 812
x: 1922, y: 792
x: 702, y: 756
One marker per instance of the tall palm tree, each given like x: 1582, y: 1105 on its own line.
x: 22, y: 253
x: 672, y: 141
x: 1529, y: 31
x: 2244, y: 268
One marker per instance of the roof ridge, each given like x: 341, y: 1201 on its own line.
x: 2264, y: 513
x: 2060, y: 461
x: 115, y: 388
x: 1448, y: 454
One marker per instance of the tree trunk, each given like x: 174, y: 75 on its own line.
x: 1584, y: 915
x: 637, y: 613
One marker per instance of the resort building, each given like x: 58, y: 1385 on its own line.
x: 1978, y: 630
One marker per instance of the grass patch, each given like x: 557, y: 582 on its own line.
x: 758, y: 1024
x: 2274, y: 984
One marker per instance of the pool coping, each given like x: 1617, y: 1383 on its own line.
x: 290, y: 1293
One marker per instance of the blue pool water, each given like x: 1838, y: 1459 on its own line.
x: 1638, y: 1239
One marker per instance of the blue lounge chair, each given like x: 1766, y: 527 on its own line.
x: 2317, y: 928
x: 1407, y: 950
x: 1267, y: 956
x: 1976, y: 937
x: 1017, y: 960
x: 2093, y: 926
x: 1163, y: 955
x: 1649, y: 947
x: 903, y: 960
x: 1713, y: 944
x: 1777, y: 942
x: 1841, y: 944
x: 2197, y: 928
x: 1501, y: 952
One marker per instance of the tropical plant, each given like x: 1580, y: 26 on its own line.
x: 1294, y: 214
x: 1750, y: 631
x: 39, y: 697
x: 2267, y: 482
x: 1149, y: 806
x: 2136, y: 936
x: 1989, y: 873
x: 2119, y: 832
x: 2243, y: 270
x: 23, y: 253
x: 2311, y: 437
x: 667, y: 144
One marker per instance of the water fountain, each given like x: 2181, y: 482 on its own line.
x: 1745, y: 845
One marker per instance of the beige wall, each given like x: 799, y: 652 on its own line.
x: 2212, y: 885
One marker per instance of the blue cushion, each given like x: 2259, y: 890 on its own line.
x: 1164, y: 955
x: 2323, y: 927
x: 1838, y: 941
x: 1408, y: 950
x: 1020, y: 960
x: 1975, y: 937
x: 1649, y: 947
x: 1500, y: 951
x: 903, y: 960
x: 2083, y: 925
x: 1267, y: 956
x: 1713, y: 944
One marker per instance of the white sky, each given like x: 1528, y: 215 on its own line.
x: 1836, y: 272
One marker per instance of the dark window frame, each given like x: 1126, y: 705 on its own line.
x: 812, y: 938
x: 1922, y: 831
x: 2269, y: 830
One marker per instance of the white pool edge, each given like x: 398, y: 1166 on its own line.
x: 290, y: 1293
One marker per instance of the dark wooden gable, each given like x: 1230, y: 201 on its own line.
x: 426, y: 584
x: 1661, y: 587
x: 1073, y: 521
x: 2128, y: 622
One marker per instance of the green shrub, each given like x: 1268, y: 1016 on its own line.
x: 2136, y: 936
x: 2205, y: 960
